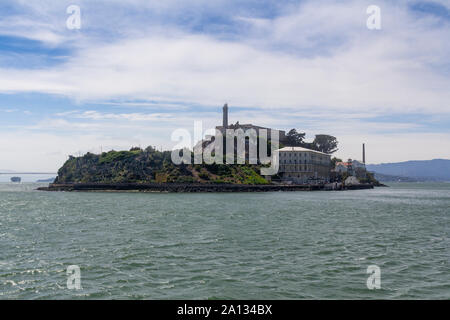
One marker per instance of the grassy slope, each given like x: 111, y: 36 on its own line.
x: 149, y: 165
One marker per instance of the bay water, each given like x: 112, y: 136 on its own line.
x: 279, y: 245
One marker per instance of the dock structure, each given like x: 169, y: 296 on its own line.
x: 187, y: 187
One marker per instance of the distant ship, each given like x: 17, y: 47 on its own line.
x: 16, y: 179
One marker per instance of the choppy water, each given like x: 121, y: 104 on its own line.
x: 292, y: 245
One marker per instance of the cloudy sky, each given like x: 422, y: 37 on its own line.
x: 138, y: 69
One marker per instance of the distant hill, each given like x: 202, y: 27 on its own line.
x: 388, y: 178
x: 421, y: 170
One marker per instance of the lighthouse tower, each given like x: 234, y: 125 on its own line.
x: 225, y: 116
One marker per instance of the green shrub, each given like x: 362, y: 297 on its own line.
x: 204, y: 176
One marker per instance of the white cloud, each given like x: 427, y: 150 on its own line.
x: 394, y: 69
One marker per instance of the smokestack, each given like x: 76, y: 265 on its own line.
x: 225, y: 116
x: 364, y: 153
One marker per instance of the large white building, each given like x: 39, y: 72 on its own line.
x: 299, y: 164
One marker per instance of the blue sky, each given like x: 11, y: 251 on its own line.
x: 137, y: 70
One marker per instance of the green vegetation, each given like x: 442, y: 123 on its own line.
x: 370, y: 179
x: 325, y: 143
x: 322, y: 142
x: 113, y: 156
x: 250, y: 176
x: 295, y: 139
x: 151, y: 166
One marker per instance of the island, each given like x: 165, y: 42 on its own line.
x: 300, y: 165
x: 150, y: 170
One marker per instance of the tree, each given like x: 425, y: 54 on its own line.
x: 150, y: 149
x: 294, y: 138
x: 325, y: 143
x: 335, y: 160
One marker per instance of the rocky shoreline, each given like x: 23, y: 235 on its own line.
x: 188, y: 187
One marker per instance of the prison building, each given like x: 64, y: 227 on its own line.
x: 301, y: 165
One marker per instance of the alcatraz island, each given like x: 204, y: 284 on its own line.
x: 301, y: 165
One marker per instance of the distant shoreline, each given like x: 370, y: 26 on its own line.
x: 188, y: 187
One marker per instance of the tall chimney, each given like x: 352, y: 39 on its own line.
x: 225, y: 116
x: 364, y: 153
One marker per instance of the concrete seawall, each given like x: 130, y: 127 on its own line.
x: 186, y: 187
